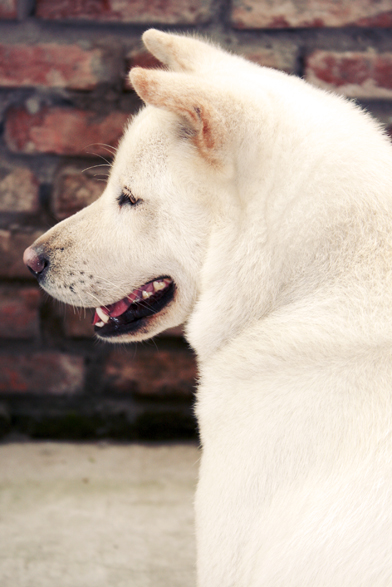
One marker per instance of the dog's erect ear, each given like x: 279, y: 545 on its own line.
x: 201, y: 122
x: 179, y: 52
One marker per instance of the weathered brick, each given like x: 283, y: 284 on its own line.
x: 78, y: 323
x: 12, y: 245
x: 259, y: 14
x: 52, y: 65
x: 278, y: 56
x: 19, y: 312
x: 137, y: 11
x: 353, y: 74
x: 74, y: 188
x: 138, y: 57
x: 19, y: 189
x: 43, y: 372
x: 62, y: 131
x: 8, y: 9
x: 151, y: 372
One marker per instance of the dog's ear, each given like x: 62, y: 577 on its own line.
x: 180, y: 52
x: 200, y: 121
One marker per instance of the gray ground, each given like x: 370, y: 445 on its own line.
x: 97, y: 515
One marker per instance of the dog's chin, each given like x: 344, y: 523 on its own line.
x: 135, y: 317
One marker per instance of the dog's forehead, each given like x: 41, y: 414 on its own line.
x: 143, y: 150
x: 147, y: 135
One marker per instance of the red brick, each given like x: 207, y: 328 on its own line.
x: 78, y: 323
x: 12, y: 245
x: 259, y: 14
x: 62, y: 131
x: 76, y: 187
x: 136, y: 11
x: 139, y: 58
x: 353, y: 74
x: 279, y: 56
x: 18, y: 189
x: 8, y: 9
x: 19, y: 312
x: 43, y: 372
x: 151, y: 372
x: 52, y: 65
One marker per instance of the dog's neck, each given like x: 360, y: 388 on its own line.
x: 284, y: 240
x: 236, y: 286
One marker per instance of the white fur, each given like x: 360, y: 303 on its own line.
x: 269, y: 203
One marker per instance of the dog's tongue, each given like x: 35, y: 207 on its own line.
x: 118, y: 308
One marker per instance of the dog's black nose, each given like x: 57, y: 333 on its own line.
x: 35, y: 261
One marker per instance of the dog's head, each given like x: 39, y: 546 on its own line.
x: 135, y: 255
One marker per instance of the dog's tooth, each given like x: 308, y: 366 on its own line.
x: 146, y: 294
x: 104, y: 317
x: 100, y: 324
x: 158, y: 285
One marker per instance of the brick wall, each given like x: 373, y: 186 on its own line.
x: 63, y: 103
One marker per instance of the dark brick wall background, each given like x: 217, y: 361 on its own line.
x: 63, y: 102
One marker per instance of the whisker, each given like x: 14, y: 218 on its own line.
x: 100, y: 156
x: 95, y: 166
x: 81, y: 309
x: 151, y: 340
x: 113, y: 285
x: 109, y: 163
x: 109, y: 148
x: 93, y: 297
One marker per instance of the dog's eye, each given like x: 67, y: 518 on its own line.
x: 127, y: 198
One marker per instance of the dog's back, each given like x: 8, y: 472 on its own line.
x: 297, y: 446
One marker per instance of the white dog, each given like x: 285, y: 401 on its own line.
x: 258, y: 210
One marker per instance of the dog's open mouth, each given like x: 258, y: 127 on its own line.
x: 130, y: 313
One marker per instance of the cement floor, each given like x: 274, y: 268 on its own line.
x: 88, y: 515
